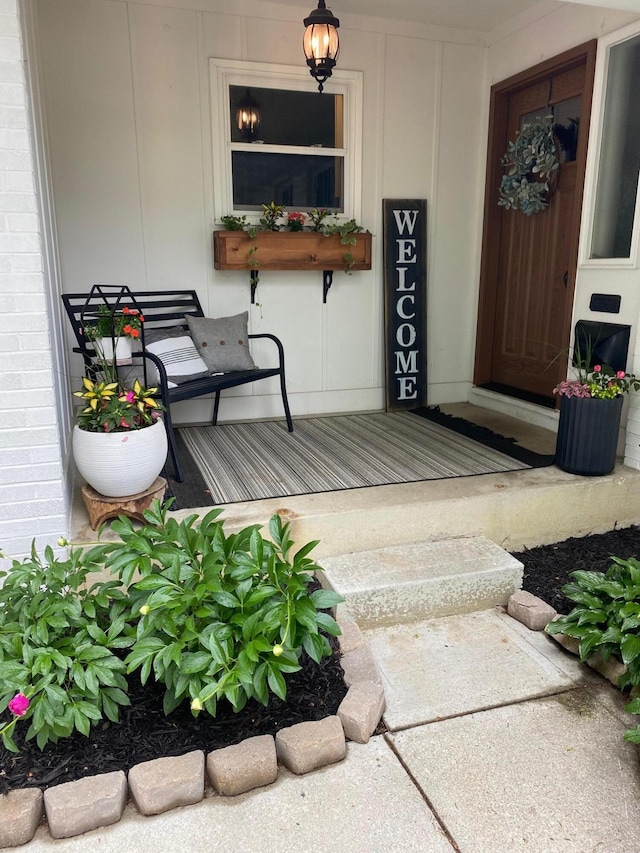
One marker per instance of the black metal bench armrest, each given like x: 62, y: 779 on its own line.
x: 276, y: 341
x: 163, y: 383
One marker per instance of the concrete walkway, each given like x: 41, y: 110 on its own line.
x: 499, y: 742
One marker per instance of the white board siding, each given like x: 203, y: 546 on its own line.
x: 140, y: 79
x: 87, y: 87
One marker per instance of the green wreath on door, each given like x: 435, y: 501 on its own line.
x: 532, y: 168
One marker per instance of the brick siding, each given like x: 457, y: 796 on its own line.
x: 32, y: 494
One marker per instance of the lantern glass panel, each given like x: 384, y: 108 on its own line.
x: 320, y: 41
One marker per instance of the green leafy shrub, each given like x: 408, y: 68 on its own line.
x: 607, y: 615
x: 58, y: 640
x: 220, y: 616
x: 606, y: 619
x: 633, y: 735
x: 211, y: 616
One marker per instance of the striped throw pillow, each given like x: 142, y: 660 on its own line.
x: 180, y: 358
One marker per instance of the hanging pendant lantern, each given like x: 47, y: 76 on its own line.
x: 248, y: 117
x: 321, y: 43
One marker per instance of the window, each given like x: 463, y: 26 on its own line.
x: 619, y: 162
x: 276, y: 138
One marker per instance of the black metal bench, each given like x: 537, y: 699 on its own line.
x: 163, y: 309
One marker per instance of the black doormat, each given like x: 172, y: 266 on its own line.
x: 192, y: 491
x: 485, y: 436
x: 549, y: 402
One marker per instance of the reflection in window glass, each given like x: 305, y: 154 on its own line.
x: 566, y: 125
x: 289, y: 117
x: 620, y: 155
x: 299, y: 181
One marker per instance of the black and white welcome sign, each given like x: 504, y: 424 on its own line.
x: 405, y: 287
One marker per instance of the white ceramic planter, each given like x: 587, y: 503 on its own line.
x: 104, y: 348
x: 120, y: 463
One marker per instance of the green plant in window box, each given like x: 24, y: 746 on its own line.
x: 295, y: 221
x: 235, y: 223
x: 271, y: 216
x: 271, y: 220
x: 317, y: 217
x: 347, y: 231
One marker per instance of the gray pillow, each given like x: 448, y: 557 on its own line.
x: 222, y: 342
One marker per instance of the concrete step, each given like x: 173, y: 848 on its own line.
x: 423, y: 580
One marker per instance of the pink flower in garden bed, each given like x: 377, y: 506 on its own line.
x: 19, y: 705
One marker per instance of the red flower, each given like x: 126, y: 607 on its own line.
x: 620, y: 374
x: 597, y: 368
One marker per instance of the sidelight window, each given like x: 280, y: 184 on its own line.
x: 619, y: 161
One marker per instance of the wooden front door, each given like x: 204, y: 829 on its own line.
x: 529, y: 262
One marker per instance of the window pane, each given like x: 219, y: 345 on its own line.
x: 620, y: 155
x: 566, y: 124
x: 289, y: 118
x: 301, y: 181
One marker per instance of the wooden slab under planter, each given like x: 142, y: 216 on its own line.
x: 288, y: 250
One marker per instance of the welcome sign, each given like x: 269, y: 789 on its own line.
x: 405, y: 288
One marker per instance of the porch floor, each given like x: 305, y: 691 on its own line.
x: 515, y: 509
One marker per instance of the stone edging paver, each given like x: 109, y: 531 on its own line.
x: 536, y: 615
x: 165, y: 783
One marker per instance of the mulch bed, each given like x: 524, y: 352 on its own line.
x: 144, y: 732
x: 547, y: 568
x: 315, y: 692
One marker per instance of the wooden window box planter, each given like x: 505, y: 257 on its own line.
x: 289, y: 250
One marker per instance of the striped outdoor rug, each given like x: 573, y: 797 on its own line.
x: 245, y: 462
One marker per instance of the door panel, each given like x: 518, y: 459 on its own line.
x: 529, y: 262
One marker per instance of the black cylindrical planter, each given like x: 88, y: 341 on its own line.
x: 588, y: 435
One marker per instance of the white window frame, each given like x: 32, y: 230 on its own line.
x: 594, y: 151
x: 228, y: 72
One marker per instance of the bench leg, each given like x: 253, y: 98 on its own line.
x: 285, y: 401
x: 216, y: 405
x: 173, y: 450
